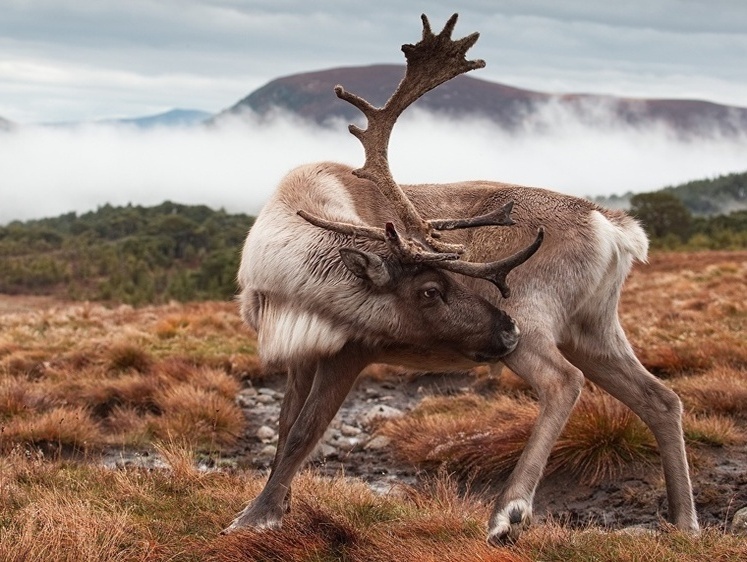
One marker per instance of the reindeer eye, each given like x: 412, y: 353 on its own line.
x: 431, y: 293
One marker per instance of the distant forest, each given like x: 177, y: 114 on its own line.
x: 718, y: 196
x: 140, y: 255
x: 131, y: 254
x: 697, y: 215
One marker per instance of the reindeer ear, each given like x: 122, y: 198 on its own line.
x: 366, y: 265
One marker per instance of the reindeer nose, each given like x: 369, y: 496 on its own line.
x: 508, y: 335
x: 510, y: 338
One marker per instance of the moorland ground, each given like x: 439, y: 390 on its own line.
x: 134, y: 434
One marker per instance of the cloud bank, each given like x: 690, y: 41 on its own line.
x: 237, y: 164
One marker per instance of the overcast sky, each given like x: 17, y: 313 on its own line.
x: 63, y: 60
x: 83, y: 60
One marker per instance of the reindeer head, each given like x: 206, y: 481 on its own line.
x: 433, y: 310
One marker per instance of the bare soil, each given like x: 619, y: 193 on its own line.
x: 636, y: 498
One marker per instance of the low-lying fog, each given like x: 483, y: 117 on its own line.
x: 46, y: 171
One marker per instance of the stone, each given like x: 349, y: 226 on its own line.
x: 265, y: 434
x: 739, y: 522
x: 268, y: 451
x: 244, y: 401
x: 246, y: 397
x: 348, y: 444
x: 265, y: 399
x: 323, y: 450
x: 377, y: 443
x: 380, y: 411
x: 350, y: 430
x: 331, y: 435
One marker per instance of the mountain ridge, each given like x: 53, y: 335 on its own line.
x: 310, y: 95
x: 173, y: 118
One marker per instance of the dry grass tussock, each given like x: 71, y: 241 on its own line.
x: 482, y: 438
x: 63, y: 511
x: 712, y: 429
x: 84, y: 376
x: 720, y: 390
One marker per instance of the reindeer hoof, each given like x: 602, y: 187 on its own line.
x: 255, y: 518
x: 509, y: 522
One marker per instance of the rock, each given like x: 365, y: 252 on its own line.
x: 348, y: 444
x: 267, y: 392
x: 268, y: 451
x: 324, y: 450
x: 350, y: 430
x: 380, y: 412
x: 244, y: 401
x: 246, y: 397
x: 739, y: 522
x: 265, y: 399
x: 331, y: 435
x: 266, y: 434
x: 377, y: 443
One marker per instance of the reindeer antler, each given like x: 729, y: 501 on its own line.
x: 431, y: 62
x: 434, y: 60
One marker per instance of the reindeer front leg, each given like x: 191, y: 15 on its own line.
x: 333, y: 379
x: 558, y: 385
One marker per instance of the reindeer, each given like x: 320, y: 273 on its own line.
x: 344, y: 268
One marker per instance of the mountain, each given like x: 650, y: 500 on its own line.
x: 311, y: 96
x: 173, y: 118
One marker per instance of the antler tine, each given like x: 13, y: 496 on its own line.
x: 408, y: 251
x: 430, y: 62
x: 350, y: 229
x: 495, y: 272
x: 499, y: 217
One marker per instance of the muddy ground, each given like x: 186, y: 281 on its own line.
x: 351, y: 447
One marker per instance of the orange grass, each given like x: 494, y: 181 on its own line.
x: 467, y: 434
x: 63, y: 511
x: 206, y: 419
x: 61, y: 427
x: 87, y: 377
x: 720, y: 390
x: 601, y: 438
x: 472, y: 435
x: 714, y: 430
x: 687, y: 312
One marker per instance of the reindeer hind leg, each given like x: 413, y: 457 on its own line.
x: 612, y: 365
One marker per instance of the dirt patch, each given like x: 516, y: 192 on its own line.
x: 638, y: 497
